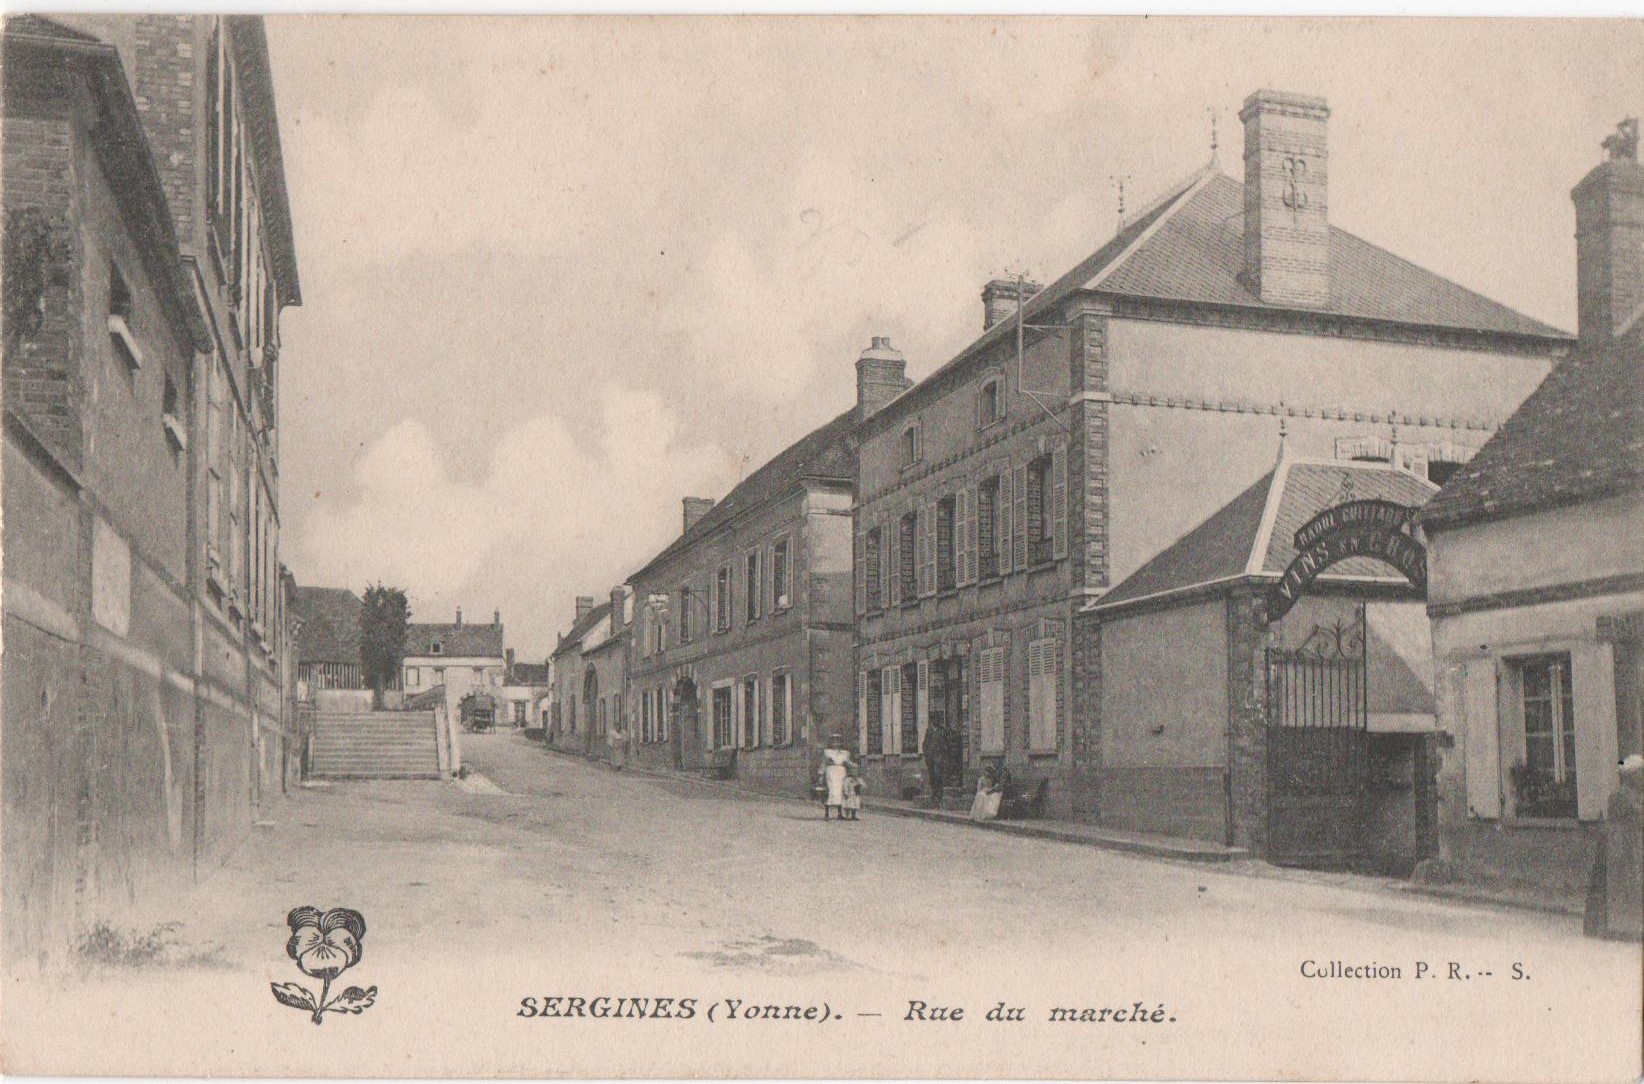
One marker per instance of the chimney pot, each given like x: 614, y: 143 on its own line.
x: 695, y: 509
x: 1286, y: 198
x: 881, y: 375
x: 1609, y: 210
x: 496, y: 617
x: 585, y: 606
x: 459, y: 616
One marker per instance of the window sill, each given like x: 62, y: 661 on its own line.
x: 947, y: 592
x: 985, y: 426
x: 989, y: 581
x: 125, y: 343
x: 1541, y: 824
x: 1046, y: 565
x: 174, y: 431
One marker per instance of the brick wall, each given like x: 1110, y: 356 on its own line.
x: 1247, y: 718
x: 164, y: 84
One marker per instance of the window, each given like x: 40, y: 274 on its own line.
x: 750, y: 587
x: 120, y: 333
x: 873, y: 559
x: 519, y: 713
x: 910, y: 708
x: 171, y: 416
x: 413, y: 676
x: 439, y: 675
x: 571, y: 714
x: 989, y: 404
x: 946, y: 578
x: 438, y: 648
x: 722, y: 600
x: 987, y: 528
x: 1039, y: 523
x: 873, y: 717
x: 1044, y: 692
x: 659, y: 633
x: 911, y: 452
x: 781, y: 591
x: 479, y: 675
x: 724, y: 729
x: 781, y: 709
x: 750, y: 712
x: 1544, y: 780
x: 907, y: 558
x: 686, y: 601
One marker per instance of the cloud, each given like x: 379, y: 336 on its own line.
x: 554, y: 513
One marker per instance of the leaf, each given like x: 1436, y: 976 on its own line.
x: 289, y: 993
x: 353, y: 1000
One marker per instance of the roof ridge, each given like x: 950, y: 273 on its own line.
x: 1165, y: 207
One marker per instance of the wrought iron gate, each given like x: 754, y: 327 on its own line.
x: 1317, y: 746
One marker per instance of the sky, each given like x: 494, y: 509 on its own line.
x: 558, y: 274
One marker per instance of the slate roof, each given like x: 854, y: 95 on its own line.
x: 573, y: 639
x: 1188, y: 246
x: 1579, y: 436
x: 459, y: 640
x: 1254, y: 533
x: 826, y: 453
x: 528, y: 673
x: 330, y: 630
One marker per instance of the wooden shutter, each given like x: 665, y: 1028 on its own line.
x: 862, y: 711
x: 1004, y: 533
x: 713, y: 603
x: 924, y: 537
x: 991, y: 667
x: 1483, y: 750
x: 1044, y: 694
x: 1058, y: 501
x: 893, y: 582
x: 962, y: 516
x: 1019, y: 545
x: 921, y: 703
x: 972, y: 522
x: 1592, y: 698
x: 890, y: 715
x: 861, y: 564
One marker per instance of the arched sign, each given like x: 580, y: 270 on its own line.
x: 1378, y: 529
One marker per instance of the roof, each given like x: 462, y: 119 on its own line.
x: 454, y: 640
x: 330, y: 629
x: 1579, y: 436
x: 827, y: 453
x: 1254, y: 533
x: 250, y: 42
x: 1188, y: 246
x: 123, y: 149
x: 529, y: 673
x: 572, y: 640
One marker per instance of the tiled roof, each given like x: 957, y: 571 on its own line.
x: 528, y: 673
x: 1580, y: 435
x: 825, y: 453
x: 459, y: 640
x: 1254, y: 534
x: 573, y: 639
x: 330, y: 630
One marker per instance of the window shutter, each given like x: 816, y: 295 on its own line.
x: 1019, y: 555
x: 1044, y: 666
x: 862, y: 713
x: 1479, y: 712
x: 972, y: 522
x: 1058, y: 501
x: 1592, y: 698
x: 961, y: 536
x: 893, y: 584
x: 1004, y: 532
x: 713, y: 604
x: 991, y: 672
x: 887, y: 558
x: 921, y: 703
x: 890, y: 731
x: 861, y: 569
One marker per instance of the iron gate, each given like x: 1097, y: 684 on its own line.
x: 1317, y: 745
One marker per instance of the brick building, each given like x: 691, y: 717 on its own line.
x: 1536, y: 586
x: 590, y: 675
x: 999, y: 498
x: 148, y: 253
x: 741, y: 648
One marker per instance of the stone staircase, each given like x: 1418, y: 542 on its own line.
x: 375, y: 745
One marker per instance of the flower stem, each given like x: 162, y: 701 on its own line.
x: 324, y: 990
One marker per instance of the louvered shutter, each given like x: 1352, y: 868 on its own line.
x: 962, y: 516
x: 861, y: 564
x: 713, y: 604
x: 921, y: 703
x: 893, y: 584
x: 1019, y: 544
x: 767, y: 573
x: 1044, y: 666
x: 972, y: 522
x: 862, y: 711
x: 1058, y: 501
x: 890, y: 714
x: 1592, y: 688
x: 1004, y: 533
x: 1482, y: 739
x: 991, y: 673
x: 925, y: 539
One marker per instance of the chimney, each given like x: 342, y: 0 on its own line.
x: 585, y: 606
x: 1286, y: 198
x: 459, y: 617
x: 617, y: 596
x: 695, y: 509
x: 1609, y: 208
x: 880, y: 376
x: 496, y: 617
x: 508, y: 661
x: 999, y: 300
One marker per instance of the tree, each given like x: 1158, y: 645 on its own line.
x: 383, y: 623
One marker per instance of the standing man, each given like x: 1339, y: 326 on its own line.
x: 936, y: 758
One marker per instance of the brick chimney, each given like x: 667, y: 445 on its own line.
x: 881, y: 375
x: 1286, y: 198
x: 1609, y: 208
x: 695, y: 509
x: 496, y: 617
x: 585, y: 606
x: 508, y: 661
x: 459, y: 617
x: 999, y: 300
x: 617, y: 597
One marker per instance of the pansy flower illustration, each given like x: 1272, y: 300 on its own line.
x: 324, y: 945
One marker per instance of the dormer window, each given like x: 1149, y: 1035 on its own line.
x: 990, y: 405
x: 439, y: 648
x: 911, y: 451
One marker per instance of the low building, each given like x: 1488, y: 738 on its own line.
x: 327, y: 640
x: 464, y: 659
x: 743, y: 630
x: 590, y: 669
x: 525, y: 692
x: 1537, y: 581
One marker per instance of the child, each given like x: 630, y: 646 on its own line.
x: 852, y: 805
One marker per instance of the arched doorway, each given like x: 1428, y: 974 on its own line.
x: 686, y: 736
x: 1321, y: 757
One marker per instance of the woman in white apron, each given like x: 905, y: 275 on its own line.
x: 836, y: 766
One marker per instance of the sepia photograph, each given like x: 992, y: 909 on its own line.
x: 822, y: 547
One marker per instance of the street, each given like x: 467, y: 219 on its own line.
x: 544, y: 876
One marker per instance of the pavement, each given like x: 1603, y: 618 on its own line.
x: 542, y: 874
